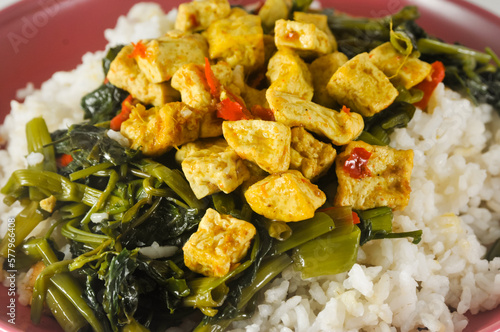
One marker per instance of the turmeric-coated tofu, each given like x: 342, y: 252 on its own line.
x: 403, y: 70
x: 304, y: 38
x: 361, y: 86
x: 191, y: 82
x: 320, y: 21
x: 238, y: 40
x: 340, y: 127
x: 198, y: 15
x: 322, y: 70
x: 126, y: 74
x: 271, y: 11
x: 218, y: 245
x: 287, y: 72
x: 162, y: 57
x: 311, y: 157
x: 371, y: 176
x: 158, y: 129
x: 211, y: 168
x: 267, y: 143
x: 286, y: 196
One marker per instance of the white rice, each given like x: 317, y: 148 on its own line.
x: 396, y: 286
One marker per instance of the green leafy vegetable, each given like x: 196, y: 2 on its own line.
x: 103, y: 103
x: 377, y: 224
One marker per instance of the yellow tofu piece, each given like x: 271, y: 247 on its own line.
x: 211, y: 169
x: 198, y: 15
x: 361, y: 86
x: 310, y: 156
x: 271, y: 11
x: 402, y: 70
x: 322, y: 70
x: 218, y: 245
x: 48, y: 204
x: 320, y: 21
x: 287, y: 72
x: 386, y: 184
x: 339, y: 127
x: 192, y: 84
x: 215, y: 144
x: 238, y: 40
x: 126, y: 74
x: 158, y: 129
x: 266, y: 143
x: 304, y: 38
x: 165, y: 55
x: 286, y: 196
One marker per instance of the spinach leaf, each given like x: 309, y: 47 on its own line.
x: 89, y: 146
x: 300, y: 5
x: 103, y: 103
x: 169, y: 224
x: 110, y: 56
x: 121, y: 295
x: 376, y: 224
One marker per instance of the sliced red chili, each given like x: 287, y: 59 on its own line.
x: 428, y: 86
x: 355, y: 218
x: 140, y: 50
x: 64, y: 160
x: 117, y: 121
x: 231, y: 110
x: 346, y: 109
x: 357, y: 163
x: 212, y: 81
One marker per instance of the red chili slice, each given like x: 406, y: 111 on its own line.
x: 357, y: 163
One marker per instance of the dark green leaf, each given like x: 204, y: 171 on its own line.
x: 103, y: 103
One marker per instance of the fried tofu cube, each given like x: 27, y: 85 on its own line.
x: 385, y: 180
x: 403, y: 70
x: 304, y: 38
x: 212, y: 169
x: 126, y: 74
x: 271, y: 11
x: 48, y: 204
x: 198, y: 15
x: 287, y: 72
x: 158, y: 129
x: 191, y: 82
x: 218, y: 245
x: 310, y: 156
x: 286, y: 196
x: 322, y: 70
x: 339, y: 127
x: 266, y: 143
x: 165, y: 55
x: 361, y: 86
x: 320, y: 21
x: 238, y: 40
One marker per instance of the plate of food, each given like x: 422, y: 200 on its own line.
x: 240, y: 166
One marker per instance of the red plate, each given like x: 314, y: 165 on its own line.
x: 38, y: 38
